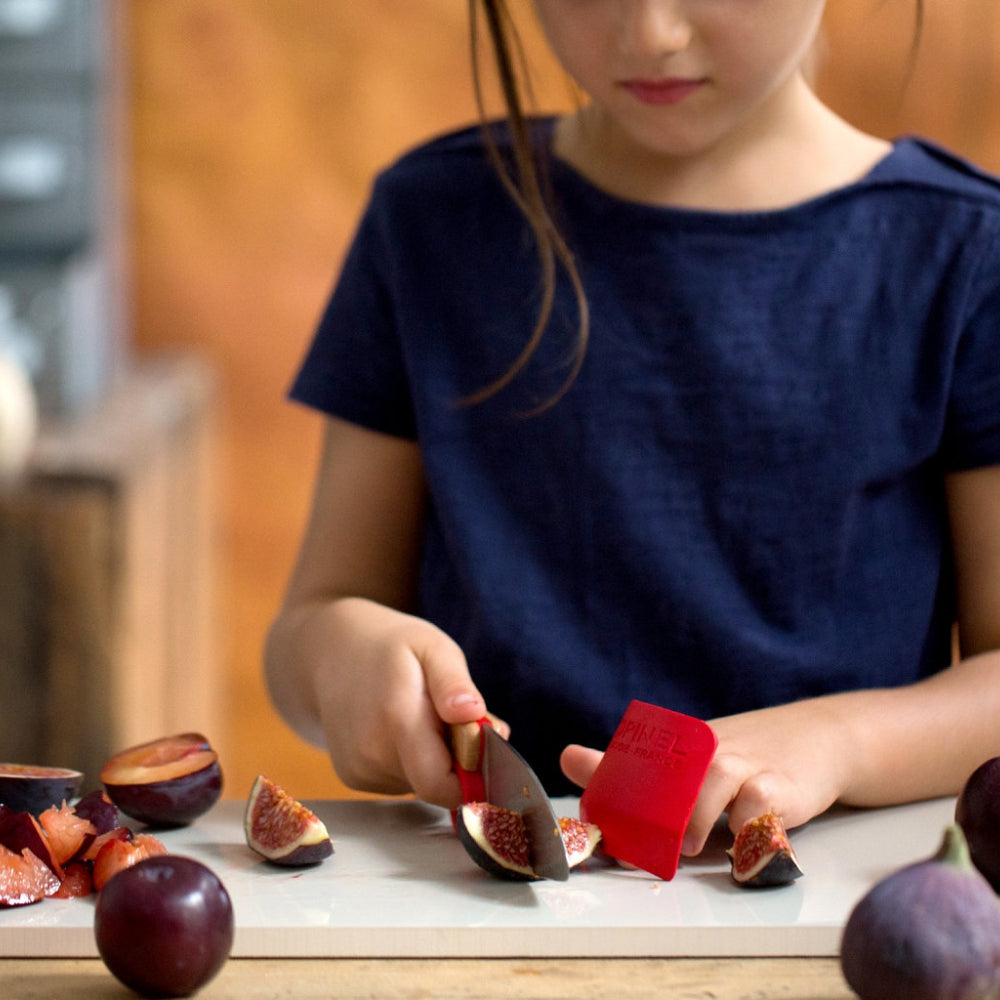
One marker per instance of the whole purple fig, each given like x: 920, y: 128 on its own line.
x: 977, y: 812
x: 929, y: 931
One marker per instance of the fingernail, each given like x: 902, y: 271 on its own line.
x: 464, y: 699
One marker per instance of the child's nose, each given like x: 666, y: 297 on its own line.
x: 654, y: 27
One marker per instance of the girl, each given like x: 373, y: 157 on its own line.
x: 691, y: 396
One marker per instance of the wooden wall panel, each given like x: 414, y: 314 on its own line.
x: 257, y: 125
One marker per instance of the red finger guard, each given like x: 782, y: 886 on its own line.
x: 643, y: 792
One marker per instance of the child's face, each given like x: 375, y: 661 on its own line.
x: 677, y: 75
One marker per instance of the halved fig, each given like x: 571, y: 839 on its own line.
x: 24, y: 879
x: 495, y: 838
x: 30, y: 788
x: 281, y: 829
x: 166, y: 782
x: 762, y: 854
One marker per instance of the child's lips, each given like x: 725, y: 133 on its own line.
x: 668, y: 90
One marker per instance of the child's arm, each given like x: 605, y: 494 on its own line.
x: 346, y: 664
x: 870, y: 748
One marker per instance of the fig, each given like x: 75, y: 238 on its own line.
x: 762, y: 855
x: 28, y: 788
x: 281, y: 829
x: 580, y: 837
x: 24, y: 878
x: 928, y: 931
x: 496, y: 839
x: 977, y: 812
x: 164, y: 927
x: 167, y: 782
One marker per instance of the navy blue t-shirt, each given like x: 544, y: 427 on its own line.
x: 739, y: 500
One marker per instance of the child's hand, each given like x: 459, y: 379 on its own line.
x: 787, y: 760
x: 386, y: 686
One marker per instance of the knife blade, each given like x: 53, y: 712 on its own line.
x: 491, y: 770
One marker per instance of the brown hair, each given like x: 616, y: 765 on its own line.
x: 524, y: 181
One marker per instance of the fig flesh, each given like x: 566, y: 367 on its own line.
x: 167, y: 782
x: 580, y: 837
x: 977, y: 812
x: 497, y: 840
x: 281, y: 829
x: 928, y: 931
x: 28, y: 788
x: 164, y: 927
x: 762, y: 855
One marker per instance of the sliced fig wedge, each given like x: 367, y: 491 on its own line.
x: 495, y: 838
x: 30, y: 788
x: 580, y: 837
x: 281, y: 829
x: 762, y: 854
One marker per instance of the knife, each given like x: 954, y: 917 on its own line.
x: 492, y: 771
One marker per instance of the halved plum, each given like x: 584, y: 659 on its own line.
x: 32, y: 788
x: 166, y: 782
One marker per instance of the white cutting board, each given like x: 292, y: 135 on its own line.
x: 399, y: 884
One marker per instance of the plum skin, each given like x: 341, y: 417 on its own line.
x: 977, y: 812
x: 171, y: 802
x: 164, y: 927
x: 25, y: 788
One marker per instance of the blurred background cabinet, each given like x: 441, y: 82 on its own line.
x: 61, y: 196
x: 107, y: 617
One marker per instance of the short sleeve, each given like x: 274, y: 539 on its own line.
x: 972, y: 435
x: 354, y: 367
